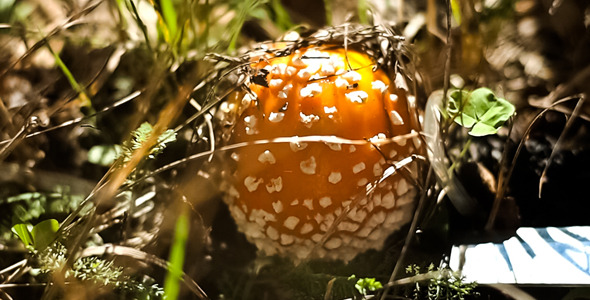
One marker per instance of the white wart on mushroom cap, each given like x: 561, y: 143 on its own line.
x: 286, y: 196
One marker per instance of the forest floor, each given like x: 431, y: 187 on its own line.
x: 109, y: 181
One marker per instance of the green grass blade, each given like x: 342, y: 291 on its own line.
x: 363, y: 7
x: 244, y: 11
x: 171, y: 18
x: 73, y: 82
x: 328, y: 8
x: 283, y: 20
x: 176, y: 258
x: 456, y: 9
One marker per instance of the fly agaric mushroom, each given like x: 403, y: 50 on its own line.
x: 308, y: 199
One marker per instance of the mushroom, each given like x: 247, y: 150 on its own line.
x: 308, y: 199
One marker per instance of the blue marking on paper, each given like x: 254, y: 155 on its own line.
x: 549, y: 255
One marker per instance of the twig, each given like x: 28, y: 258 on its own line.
x: 558, y: 144
x: 278, y: 140
x: 447, y: 74
x: 32, y: 122
x: 504, y: 179
x: 409, y: 236
x: 17, y: 265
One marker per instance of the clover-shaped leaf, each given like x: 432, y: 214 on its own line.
x: 480, y: 110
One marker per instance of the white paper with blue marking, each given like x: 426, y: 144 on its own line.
x: 534, y: 256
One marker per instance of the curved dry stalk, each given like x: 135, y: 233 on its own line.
x: 410, y: 236
x: 9, y: 145
x: 559, y: 142
x: 278, y: 140
x: 448, y: 54
x: 20, y: 267
x: 436, y: 150
x: 504, y: 178
x: 4, y: 295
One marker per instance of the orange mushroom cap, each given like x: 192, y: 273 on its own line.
x: 308, y: 199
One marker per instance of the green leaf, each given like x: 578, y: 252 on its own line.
x: 83, y: 96
x: 170, y: 18
x: 456, y: 9
x: 176, y: 258
x: 459, y: 110
x: 480, y: 101
x: 283, y: 20
x: 481, y: 111
x: 143, y: 132
x: 44, y: 233
x: 364, y: 285
x: 23, y: 231
x: 498, y: 114
x: 103, y: 155
x: 482, y: 129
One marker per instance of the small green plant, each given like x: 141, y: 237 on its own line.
x: 441, y: 283
x: 142, y: 134
x: 366, y: 285
x: 52, y: 258
x: 79, y: 88
x: 96, y: 270
x: 106, y: 155
x: 28, y: 208
x: 480, y: 111
x: 37, y: 237
x: 99, y: 272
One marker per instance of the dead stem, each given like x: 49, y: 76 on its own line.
x: 410, y: 236
x: 558, y: 144
x: 504, y: 179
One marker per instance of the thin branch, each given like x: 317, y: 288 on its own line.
x: 278, y: 140
x: 80, y: 119
x: 409, y: 236
x: 560, y: 140
x: 503, y: 180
